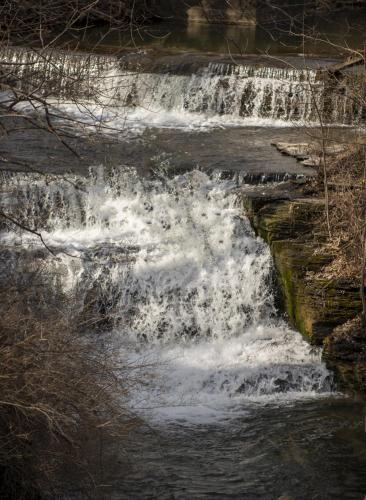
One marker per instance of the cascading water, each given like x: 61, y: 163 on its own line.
x: 166, y: 271
x: 183, y: 281
x: 217, y: 94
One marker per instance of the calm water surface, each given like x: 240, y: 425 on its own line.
x: 241, y: 39
x: 307, y: 450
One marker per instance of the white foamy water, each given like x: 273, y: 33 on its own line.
x: 98, y: 91
x: 175, y: 266
x: 127, y: 121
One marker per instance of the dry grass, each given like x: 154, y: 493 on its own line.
x: 56, y: 389
x: 28, y: 21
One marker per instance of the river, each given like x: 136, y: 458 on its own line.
x: 236, y: 404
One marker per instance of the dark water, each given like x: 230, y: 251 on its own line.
x: 307, y: 450
x: 326, y: 36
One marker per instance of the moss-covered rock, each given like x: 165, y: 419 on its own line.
x: 325, y: 311
x: 314, y: 305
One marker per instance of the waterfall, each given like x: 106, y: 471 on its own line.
x: 108, y: 90
x: 167, y: 268
x: 179, y: 279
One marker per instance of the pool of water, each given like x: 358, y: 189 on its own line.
x: 326, y: 36
x: 304, y: 450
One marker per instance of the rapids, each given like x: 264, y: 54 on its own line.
x: 104, y: 91
x: 236, y: 404
x: 193, y: 293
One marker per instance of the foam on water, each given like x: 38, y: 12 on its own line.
x: 134, y: 121
x: 187, y: 287
x: 98, y: 91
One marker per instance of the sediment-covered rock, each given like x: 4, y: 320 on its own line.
x: 309, y: 153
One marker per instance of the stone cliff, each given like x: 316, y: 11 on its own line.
x: 317, y: 306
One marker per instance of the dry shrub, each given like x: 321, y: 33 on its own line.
x: 57, y: 388
x: 29, y: 21
x: 348, y: 167
x: 346, y: 180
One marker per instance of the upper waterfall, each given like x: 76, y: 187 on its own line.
x: 111, y: 90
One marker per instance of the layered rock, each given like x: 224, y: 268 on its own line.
x: 345, y: 351
x: 317, y: 306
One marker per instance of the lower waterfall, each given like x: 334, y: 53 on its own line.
x: 185, y: 285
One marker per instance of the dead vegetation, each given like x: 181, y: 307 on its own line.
x: 58, y: 390
x: 346, y: 180
x: 35, y: 21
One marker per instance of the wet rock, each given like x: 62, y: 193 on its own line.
x: 325, y: 311
x: 290, y: 226
x: 309, y: 154
x: 345, y: 351
x: 299, y: 150
x: 214, y: 12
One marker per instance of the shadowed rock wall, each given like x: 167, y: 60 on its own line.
x: 241, y: 12
x: 246, y: 12
x: 314, y: 304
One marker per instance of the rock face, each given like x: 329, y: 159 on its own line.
x: 309, y: 154
x: 345, y: 351
x: 315, y: 306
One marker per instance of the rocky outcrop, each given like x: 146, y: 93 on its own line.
x: 315, y: 305
x: 309, y: 153
x: 345, y: 352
